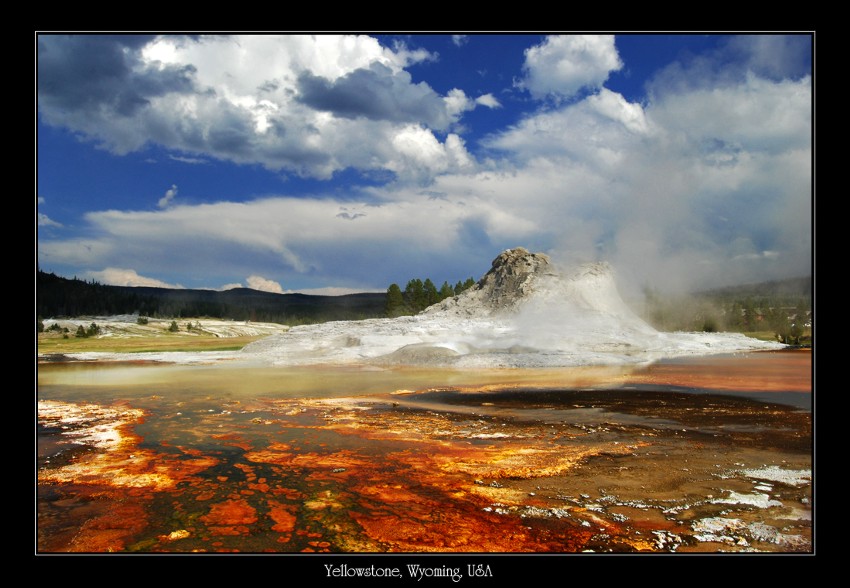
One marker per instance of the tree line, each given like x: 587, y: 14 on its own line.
x: 62, y: 297
x: 58, y: 296
x: 419, y: 295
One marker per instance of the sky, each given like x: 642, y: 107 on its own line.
x: 330, y: 164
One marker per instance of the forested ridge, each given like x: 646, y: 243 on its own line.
x: 63, y: 297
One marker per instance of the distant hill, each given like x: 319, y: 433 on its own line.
x: 57, y: 297
x: 793, y: 288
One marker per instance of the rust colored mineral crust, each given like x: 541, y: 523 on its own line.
x: 275, y: 453
x: 110, y: 531
x: 230, y: 517
x: 465, y: 530
x: 234, y: 440
x: 282, y: 515
x: 423, y: 498
x: 117, y: 461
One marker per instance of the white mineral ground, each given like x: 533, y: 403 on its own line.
x: 524, y: 312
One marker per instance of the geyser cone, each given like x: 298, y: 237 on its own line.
x: 523, y: 312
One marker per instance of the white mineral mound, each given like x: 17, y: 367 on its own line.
x: 522, y: 313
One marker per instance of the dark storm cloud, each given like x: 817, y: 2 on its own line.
x: 230, y: 131
x: 375, y: 93
x: 91, y: 72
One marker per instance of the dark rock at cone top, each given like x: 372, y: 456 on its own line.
x: 512, y: 275
x: 512, y: 279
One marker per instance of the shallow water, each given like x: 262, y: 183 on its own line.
x: 675, y: 456
x: 140, y: 379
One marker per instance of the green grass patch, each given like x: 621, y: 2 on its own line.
x: 55, y: 343
x: 762, y: 335
x: 189, y: 349
x: 805, y: 338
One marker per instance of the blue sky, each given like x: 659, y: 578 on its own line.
x: 330, y: 164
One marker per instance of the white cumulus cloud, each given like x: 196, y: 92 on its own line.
x: 564, y: 64
x: 189, y: 160
x: 294, y: 103
x: 127, y: 277
x: 598, y: 131
x: 330, y: 291
x: 170, y: 194
x: 618, y: 109
x: 42, y: 220
x: 46, y: 221
x: 488, y: 100
x: 457, y: 102
x: 264, y: 284
x: 418, y: 154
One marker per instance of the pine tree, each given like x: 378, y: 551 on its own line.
x: 431, y: 295
x: 446, y: 291
x: 395, y: 301
x: 414, y: 295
